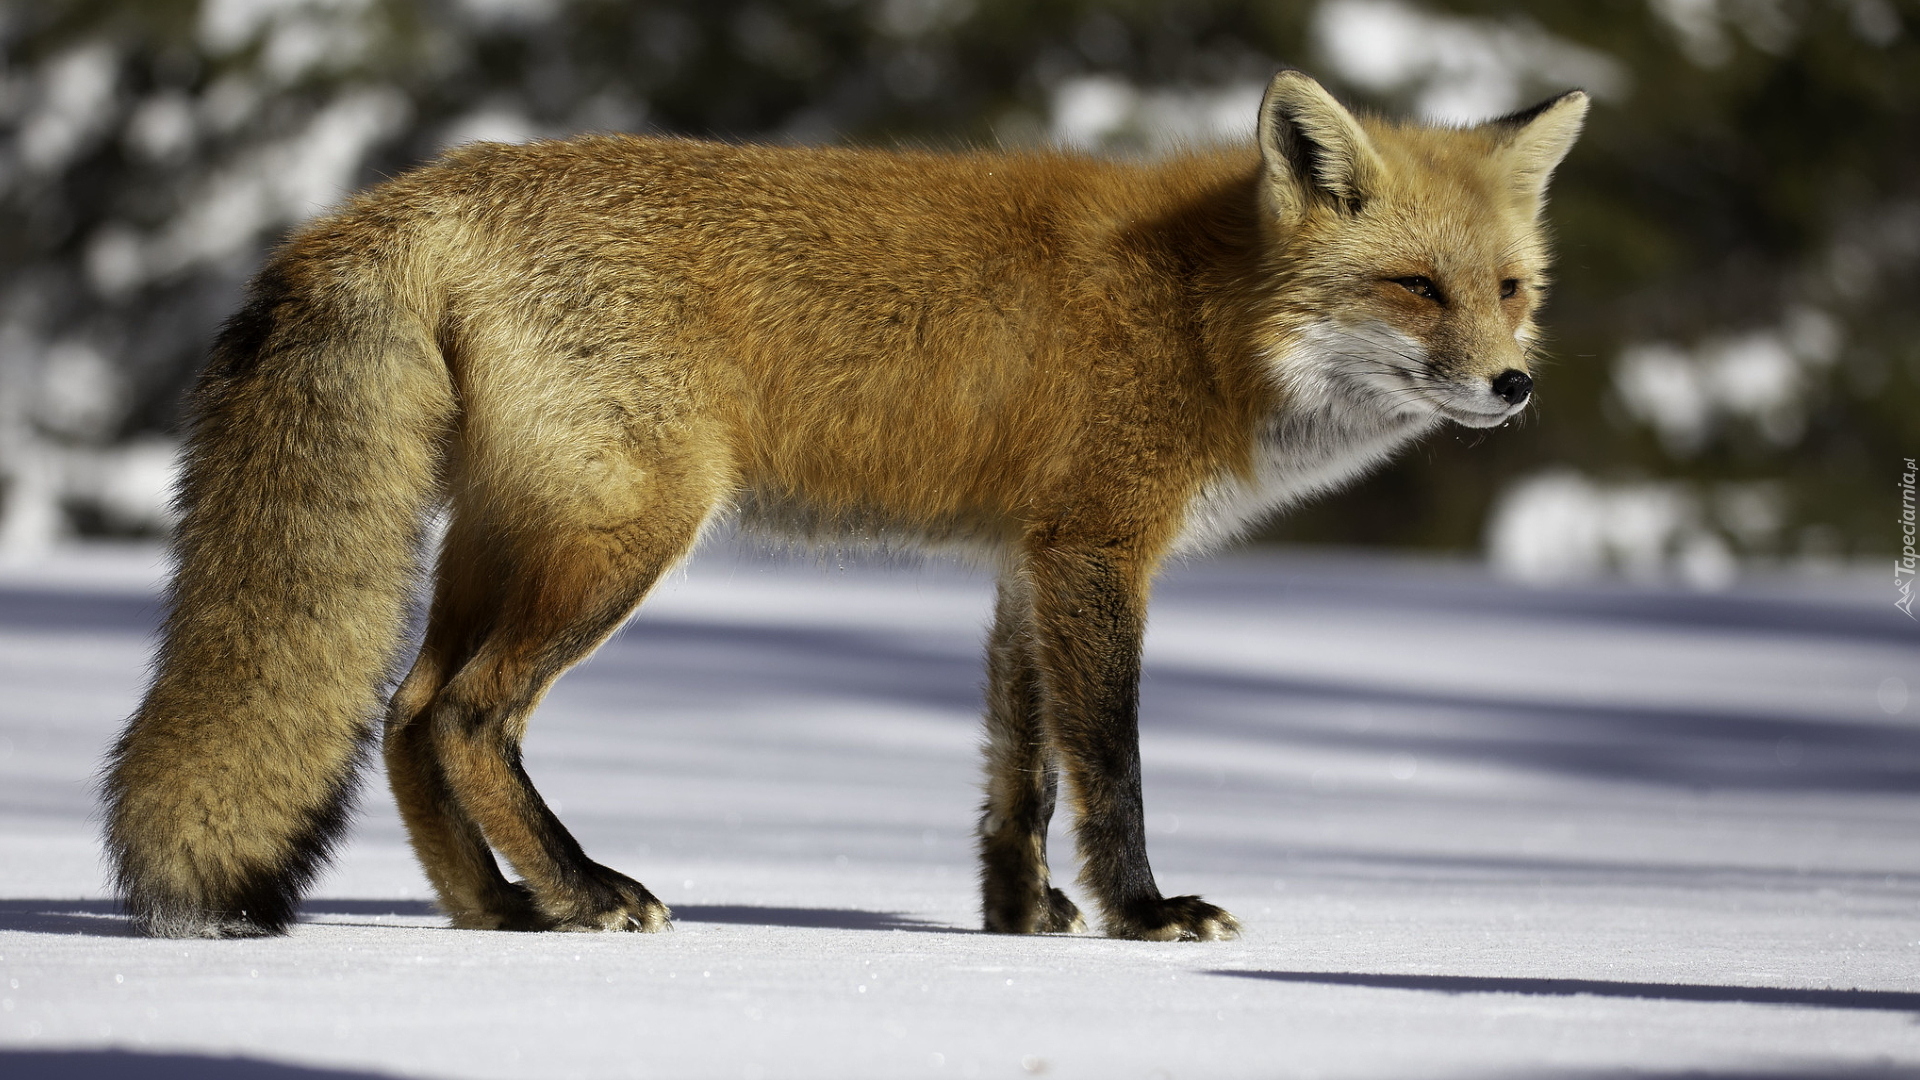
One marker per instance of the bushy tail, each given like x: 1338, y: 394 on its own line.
x: 315, y: 453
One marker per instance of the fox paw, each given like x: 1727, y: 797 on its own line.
x: 1055, y: 915
x: 508, y: 907
x: 1173, y: 918
x: 610, y: 901
x: 1062, y: 916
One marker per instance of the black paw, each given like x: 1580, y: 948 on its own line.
x: 1062, y: 916
x: 609, y: 901
x: 1173, y: 918
x: 1049, y: 913
x: 509, y: 906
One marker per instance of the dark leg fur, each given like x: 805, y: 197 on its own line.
x: 453, y: 851
x: 1088, y: 602
x: 472, y: 890
x: 569, y: 891
x: 1016, y: 896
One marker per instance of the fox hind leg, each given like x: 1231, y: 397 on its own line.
x: 523, y: 600
x: 472, y: 890
x: 1016, y: 895
x: 452, y: 849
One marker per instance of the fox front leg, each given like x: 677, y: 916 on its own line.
x: 1016, y: 894
x: 1088, y: 605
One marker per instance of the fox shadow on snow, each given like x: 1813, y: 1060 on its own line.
x: 1804, y: 997
x: 106, y: 918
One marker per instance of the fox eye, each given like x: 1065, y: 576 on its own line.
x: 1421, y: 287
x: 1509, y: 288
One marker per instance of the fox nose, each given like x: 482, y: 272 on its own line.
x: 1513, y: 386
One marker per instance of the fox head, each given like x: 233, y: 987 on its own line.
x: 1410, y: 259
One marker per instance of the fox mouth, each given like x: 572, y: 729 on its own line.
x: 1466, y: 416
x: 1468, y: 406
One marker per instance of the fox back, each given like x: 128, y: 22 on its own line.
x: 588, y: 352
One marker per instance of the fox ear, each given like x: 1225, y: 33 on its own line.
x: 1534, y: 141
x: 1313, y: 148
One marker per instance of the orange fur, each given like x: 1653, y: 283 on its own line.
x: 590, y: 350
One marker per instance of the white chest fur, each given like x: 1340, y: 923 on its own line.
x: 1335, y: 422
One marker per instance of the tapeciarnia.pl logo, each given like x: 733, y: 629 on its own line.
x: 1903, y: 567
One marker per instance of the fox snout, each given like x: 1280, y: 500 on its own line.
x: 1489, y: 400
x: 1481, y: 399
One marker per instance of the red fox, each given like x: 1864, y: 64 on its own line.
x: 586, y: 353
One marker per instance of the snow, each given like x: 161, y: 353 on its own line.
x: 1472, y: 829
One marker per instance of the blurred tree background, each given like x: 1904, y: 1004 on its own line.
x: 1735, y: 348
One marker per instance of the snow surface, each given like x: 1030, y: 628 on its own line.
x: 1473, y: 830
